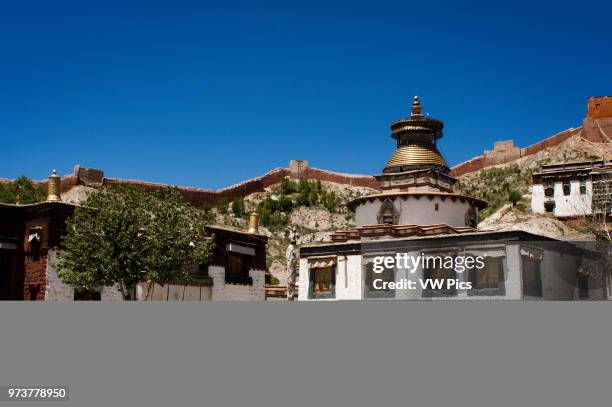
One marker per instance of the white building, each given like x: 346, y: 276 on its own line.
x: 567, y: 190
x: 417, y: 216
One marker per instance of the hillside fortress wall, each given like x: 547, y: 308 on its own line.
x: 199, y: 196
x: 596, y: 127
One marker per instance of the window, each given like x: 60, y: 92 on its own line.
x: 436, y: 207
x: 549, y: 206
x: 388, y: 219
x: 549, y: 191
x: 82, y: 294
x: 566, y: 188
x: 583, y: 287
x: 388, y: 214
x: 322, y: 281
x: 34, y: 290
x: 388, y: 275
x: 237, y: 267
x: 10, y: 288
x: 470, y: 217
x: 34, y: 237
x: 202, y: 271
x: 434, y: 270
x: 532, y: 278
x: 490, y: 279
x: 583, y: 187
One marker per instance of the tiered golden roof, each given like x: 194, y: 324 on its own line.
x: 416, y: 154
x: 416, y: 142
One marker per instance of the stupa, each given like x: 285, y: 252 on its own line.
x: 417, y: 195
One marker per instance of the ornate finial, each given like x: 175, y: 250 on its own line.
x: 254, y: 222
x: 416, y: 107
x: 53, y: 189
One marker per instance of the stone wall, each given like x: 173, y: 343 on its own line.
x: 200, y: 196
x: 222, y: 291
x: 346, y: 179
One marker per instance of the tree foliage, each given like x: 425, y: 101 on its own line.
x: 274, y: 212
x: 125, y: 235
x: 514, y: 197
x: 23, y: 188
x: 222, y: 205
x: 238, y: 208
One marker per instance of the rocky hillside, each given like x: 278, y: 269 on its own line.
x: 315, y: 208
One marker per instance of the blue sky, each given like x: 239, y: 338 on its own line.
x: 209, y: 94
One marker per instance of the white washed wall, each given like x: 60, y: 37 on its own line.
x: 574, y: 204
x: 414, y: 211
x: 57, y: 290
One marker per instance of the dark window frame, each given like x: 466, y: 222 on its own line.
x: 539, y: 287
x: 567, y: 188
x: 549, y: 206
x: 549, y: 191
x: 81, y: 294
x: 582, y: 283
x: 311, y: 283
x: 240, y: 274
x: 500, y: 290
x: 369, y: 292
x: 441, y: 293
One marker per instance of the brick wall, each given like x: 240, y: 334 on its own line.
x: 35, y: 276
x: 221, y: 291
x: 599, y: 107
x: 200, y: 196
x: 346, y: 179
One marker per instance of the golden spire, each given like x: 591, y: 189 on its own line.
x: 416, y: 138
x: 416, y: 107
x: 53, y: 190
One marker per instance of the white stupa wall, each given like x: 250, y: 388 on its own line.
x: 415, y: 211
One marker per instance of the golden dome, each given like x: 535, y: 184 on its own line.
x: 416, y: 154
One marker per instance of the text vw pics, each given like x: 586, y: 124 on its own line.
x: 411, y: 263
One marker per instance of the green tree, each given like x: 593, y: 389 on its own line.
x: 514, y: 197
x: 238, y: 207
x: 285, y: 204
x: 288, y: 187
x: 125, y: 235
x: 222, y: 205
x: 313, y: 197
x: 331, y: 201
x: 23, y: 188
